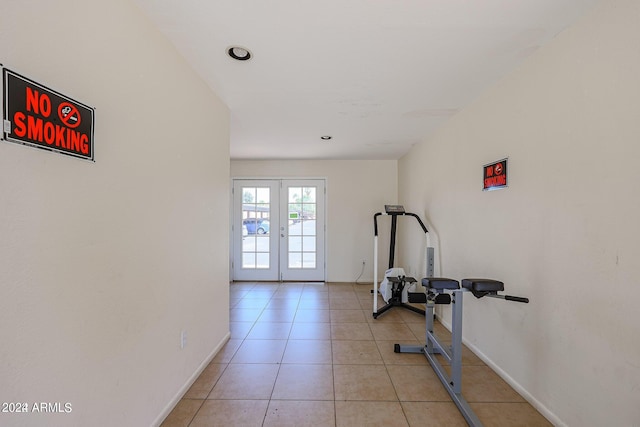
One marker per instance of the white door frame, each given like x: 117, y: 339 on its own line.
x: 267, y: 243
x: 307, y: 230
x: 277, y: 232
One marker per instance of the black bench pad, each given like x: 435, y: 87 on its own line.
x: 483, y: 285
x: 440, y: 283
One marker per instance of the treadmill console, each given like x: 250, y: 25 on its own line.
x: 394, y: 209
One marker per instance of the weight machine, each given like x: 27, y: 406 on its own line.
x: 395, y: 282
x: 438, y: 291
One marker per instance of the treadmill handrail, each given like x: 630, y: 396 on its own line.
x: 375, y: 220
x: 375, y: 223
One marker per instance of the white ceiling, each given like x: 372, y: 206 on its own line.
x: 377, y: 75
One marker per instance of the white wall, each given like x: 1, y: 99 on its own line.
x: 103, y: 264
x: 356, y: 189
x: 565, y: 232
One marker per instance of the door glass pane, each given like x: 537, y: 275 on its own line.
x: 248, y: 194
x: 262, y: 260
x: 248, y: 244
x: 248, y: 260
x: 263, y: 195
x: 308, y: 260
x: 310, y: 195
x: 295, y: 260
x: 302, y: 227
x: 295, y: 194
x: 262, y: 244
x: 295, y: 243
x: 309, y: 244
x: 256, y: 209
x: 309, y: 227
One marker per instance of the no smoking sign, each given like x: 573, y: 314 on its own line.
x: 494, y: 175
x: 37, y: 116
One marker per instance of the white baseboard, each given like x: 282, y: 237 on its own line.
x: 172, y: 404
x: 550, y: 416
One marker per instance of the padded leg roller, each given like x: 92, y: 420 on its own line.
x: 440, y: 283
x: 482, y: 287
x: 417, y: 297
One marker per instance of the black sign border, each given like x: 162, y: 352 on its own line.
x: 506, y: 173
x: 5, y: 104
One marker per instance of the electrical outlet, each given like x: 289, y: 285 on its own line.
x: 183, y: 339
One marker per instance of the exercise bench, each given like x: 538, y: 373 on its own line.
x: 442, y: 290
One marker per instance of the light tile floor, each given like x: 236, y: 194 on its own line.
x: 311, y: 354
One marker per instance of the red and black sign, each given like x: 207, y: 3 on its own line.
x: 40, y: 117
x: 495, y: 175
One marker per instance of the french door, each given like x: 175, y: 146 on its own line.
x: 279, y: 229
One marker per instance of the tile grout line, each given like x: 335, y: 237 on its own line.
x: 223, y: 371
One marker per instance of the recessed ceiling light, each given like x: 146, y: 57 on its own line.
x: 239, y: 53
x: 326, y: 137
